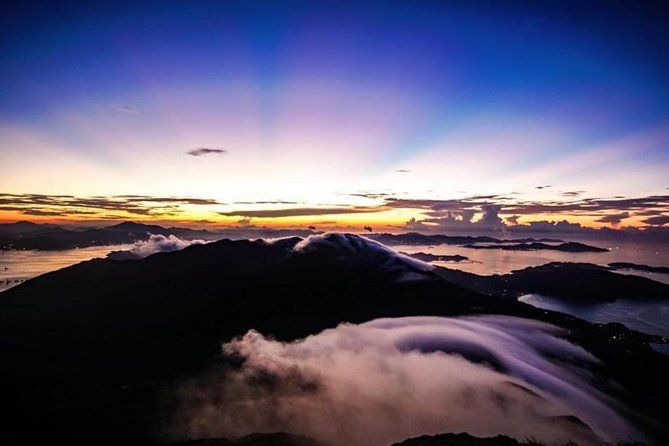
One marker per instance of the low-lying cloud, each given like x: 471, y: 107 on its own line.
x: 155, y: 243
x: 353, y: 246
x: 389, y: 379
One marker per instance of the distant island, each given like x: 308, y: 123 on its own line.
x: 415, y: 238
x: 427, y: 257
x: 536, y: 246
x: 576, y: 282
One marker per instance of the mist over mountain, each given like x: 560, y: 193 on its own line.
x: 353, y: 385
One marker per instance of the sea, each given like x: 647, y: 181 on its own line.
x: 18, y: 266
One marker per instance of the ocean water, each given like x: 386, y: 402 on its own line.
x: 650, y: 317
x: 497, y: 261
x: 19, y: 266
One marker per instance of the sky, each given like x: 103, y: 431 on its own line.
x: 434, y: 116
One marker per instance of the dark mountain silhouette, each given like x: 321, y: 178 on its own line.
x: 94, y: 351
x: 25, y: 228
x: 26, y: 235
x: 428, y: 257
x: 462, y: 439
x: 415, y: 238
x: 536, y: 246
x: 576, y: 282
x: 282, y: 439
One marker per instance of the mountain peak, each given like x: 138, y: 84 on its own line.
x: 361, y: 250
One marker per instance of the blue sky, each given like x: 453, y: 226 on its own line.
x: 316, y: 100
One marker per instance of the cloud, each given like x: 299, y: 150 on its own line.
x: 513, y: 219
x: 155, y: 243
x: 125, y: 108
x: 614, y: 219
x: 199, y: 151
x: 266, y: 202
x: 297, y: 212
x: 459, y: 214
x: 573, y: 193
x: 402, y: 170
x: 658, y: 220
x: 64, y: 205
x: 460, y: 219
x: 366, y: 251
x: 389, y: 379
x: 370, y: 195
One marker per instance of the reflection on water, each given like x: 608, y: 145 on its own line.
x: 19, y: 266
x: 492, y: 261
x: 650, y: 317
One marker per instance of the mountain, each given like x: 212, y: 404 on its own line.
x: 576, y: 282
x: 282, y: 439
x: 25, y: 228
x: 273, y: 439
x: 428, y: 257
x: 26, y: 235
x: 415, y: 238
x: 462, y: 439
x: 95, y: 350
x: 537, y: 246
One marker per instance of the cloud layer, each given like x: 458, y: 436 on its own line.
x: 155, y: 243
x: 480, y: 213
x: 352, y: 246
x: 389, y: 379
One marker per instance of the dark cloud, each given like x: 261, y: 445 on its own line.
x: 402, y: 170
x: 179, y: 200
x: 590, y: 206
x: 435, y: 205
x: 659, y: 220
x: 298, y: 212
x: 64, y: 205
x: 543, y: 187
x: 266, y: 202
x: 38, y: 213
x: 614, y: 219
x: 513, y: 219
x: 371, y: 195
x: 199, y: 151
x: 458, y: 214
x: 573, y: 193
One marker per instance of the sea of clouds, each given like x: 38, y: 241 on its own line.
x: 383, y: 381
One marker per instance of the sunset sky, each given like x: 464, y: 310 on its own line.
x: 414, y: 115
